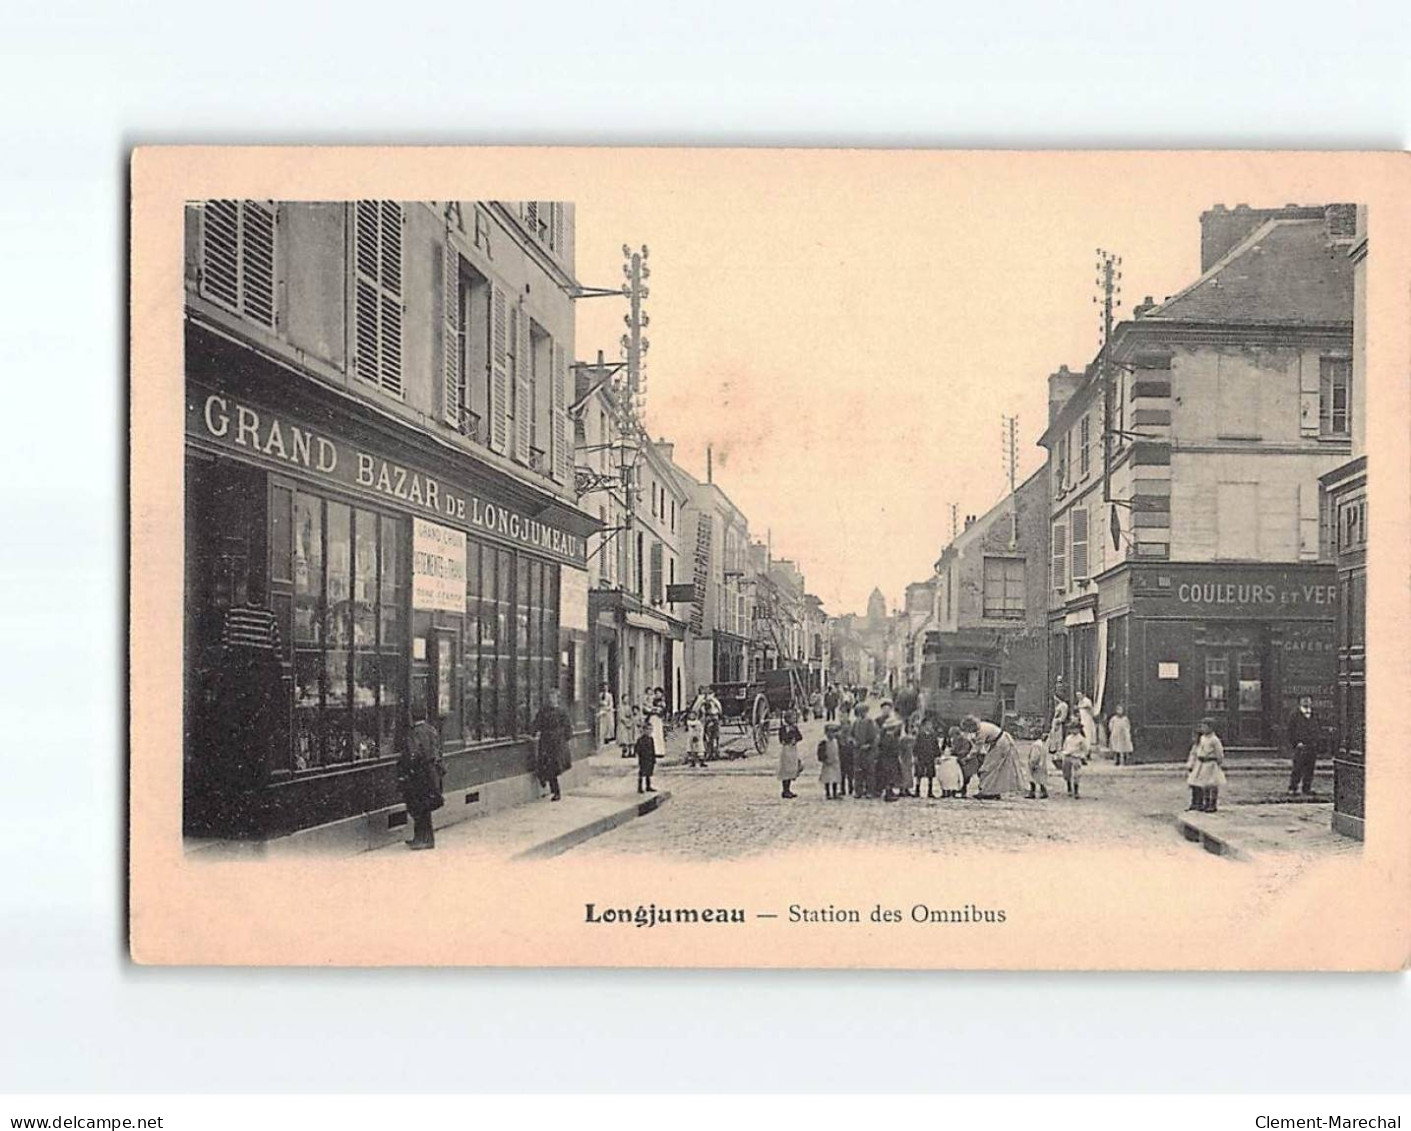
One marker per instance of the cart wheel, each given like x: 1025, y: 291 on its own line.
x: 759, y: 711
x: 761, y: 737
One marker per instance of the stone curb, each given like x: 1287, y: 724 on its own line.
x: 1211, y: 841
x: 629, y: 810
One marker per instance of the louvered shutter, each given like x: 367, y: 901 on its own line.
x: 451, y: 334
x: 557, y: 233
x: 1060, y: 556
x: 499, y: 380
x: 238, y: 257
x: 523, y: 377
x: 377, y: 293
x: 1079, y: 540
x: 560, y: 455
x: 656, y: 573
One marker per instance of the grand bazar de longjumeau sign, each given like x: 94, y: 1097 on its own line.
x: 279, y: 439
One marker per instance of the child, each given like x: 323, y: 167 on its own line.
x: 1119, y: 736
x: 949, y: 771
x: 1038, y: 770
x: 966, y: 756
x: 626, y: 728
x: 925, y: 753
x: 830, y: 759
x: 906, y: 757
x: 1206, y: 764
x: 1075, y: 756
x: 790, y: 764
x: 646, y: 761
x: 848, y: 753
x: 695, y: 740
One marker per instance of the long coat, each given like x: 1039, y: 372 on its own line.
x: 555, y: 732
x: 830, y: 761
x: 420, y: 771
x: 926, y: 751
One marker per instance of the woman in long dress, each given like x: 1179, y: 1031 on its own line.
x: 1003, y: 770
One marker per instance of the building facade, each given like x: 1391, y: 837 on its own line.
x: 638, y: 640
x: 1345, y: 545
x: 989, y: 598
x: 377, y: 456
x: 1190, y: 585
x: 720, y: 642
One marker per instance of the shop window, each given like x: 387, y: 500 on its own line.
x: 1216, y: 684
x: 350, y: 593
x: 238, y: 257
x: 1334, y: 397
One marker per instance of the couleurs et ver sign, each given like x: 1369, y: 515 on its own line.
x: 280, y: 440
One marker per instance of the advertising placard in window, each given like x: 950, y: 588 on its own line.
x: 438, y: 567
x: 573, y: 600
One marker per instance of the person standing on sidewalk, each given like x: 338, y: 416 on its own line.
x: 420, y: 774
x: 1302, y: 734
x: 553, y: 731
x: 1207, y: 768
x: 888, y: 769
x: 1119, y: 736
x: 605, y: 715
x: 847, y: 754
x: 830, y: 704
x: 626, y: 727
x: 695, y: 740
x: 646, y: 761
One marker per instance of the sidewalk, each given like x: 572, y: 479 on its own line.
x: 546, y: 828
x: 1246, y: 832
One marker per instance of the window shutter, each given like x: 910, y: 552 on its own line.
x: 560, y: 456
x: 1060, y: 556
x: 523, y: 377
x: 238, y: 257
x: 499, y: 380
x: 451, y: 334
x: 377, y: 293
x: 656, y: 573
x: 1080, y: 544
x: 557, y: 234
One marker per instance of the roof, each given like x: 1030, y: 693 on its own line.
x: 980, y: 525
x: 1286, y: 272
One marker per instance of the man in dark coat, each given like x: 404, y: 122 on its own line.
x: 1302, y: 734
x: 420, y: 773
x: 554, y: 731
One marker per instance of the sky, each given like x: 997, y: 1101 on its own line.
x: 847, y: 330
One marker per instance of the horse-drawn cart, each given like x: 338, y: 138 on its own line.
x: 750, y: 713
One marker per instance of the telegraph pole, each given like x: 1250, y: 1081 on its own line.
x: 1109, y: 283
x: 1011, y: 461
x: 634, y: 342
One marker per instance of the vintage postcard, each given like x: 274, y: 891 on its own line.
x: 770, y: 558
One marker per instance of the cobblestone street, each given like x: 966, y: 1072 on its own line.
x: 733, y: 809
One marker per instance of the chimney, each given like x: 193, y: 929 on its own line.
x: 667, y: 449
x: 1143, y: 308
x: 1061, y: 386
x: 1341, y: 221
x: 969, y: 521
x: 1222, y: 228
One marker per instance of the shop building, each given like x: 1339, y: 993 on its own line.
x: 635, y: 559
x: 1345, y: 545
x: 377, y: 460
x: 1196, y: 589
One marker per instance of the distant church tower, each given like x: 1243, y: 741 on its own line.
x: 876, y: 609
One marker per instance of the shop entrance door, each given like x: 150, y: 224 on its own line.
x: 1234, y: 691
x: 444, y: 692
